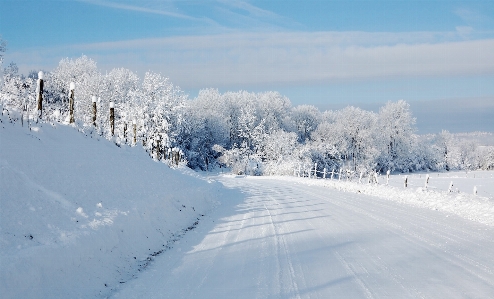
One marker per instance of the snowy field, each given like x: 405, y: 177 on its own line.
x: 83, y: 218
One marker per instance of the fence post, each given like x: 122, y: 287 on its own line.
x: 450, y: 189
x: 112, y: 117
x: 309, y: 172
x: 134, y: 124
x: 71, y: 101
x: 387, y: 177
x: 158, y: 152
x: 40, y: 94
x: 94, y: 110
x: 125, y: 131
x: 406, y: 181
x: 332, y: 173
x: 475, y: 190
x: 24, y: 116
x: 375, y: 178
x: 324, y: 173
x: 426, y: 181
x: 315, y: 170
x: 339, y: 175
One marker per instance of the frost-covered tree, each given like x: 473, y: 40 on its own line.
x: 17, y: 93
x: 305, y: 118
x: 395, y: 136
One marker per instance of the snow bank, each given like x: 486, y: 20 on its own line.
x: 80, y: 216
x: 466, y: 205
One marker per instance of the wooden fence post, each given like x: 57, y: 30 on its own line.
x: 315, y: 170
x: 40, y: 94
x: 112, y: 118
x: 426, y: 181
x: 71, y: 101
x: 94, y: 110
x: 387, y: 177
x: 158, y: 152
x: 332, y: 173
x: 324, y: 173
x: 406, y: 181
x: 450, y: 189
x: 475, y: 190
x: 125, y: 131
x: 134, y: 124
x: 176, y: 155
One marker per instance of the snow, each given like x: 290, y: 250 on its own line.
x: 83, y: 218
x: 80, y: 216
x: 432, y: 195
x: 289, y: 239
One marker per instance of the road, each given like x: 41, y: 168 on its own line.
x: 290, y: 240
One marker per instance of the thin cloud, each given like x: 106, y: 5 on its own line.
x: 469, y: 15
x: 242, y: 14
x: 251, y: 9
x: 142, y: 9
x: 252, y: 58
x: 288, y: 58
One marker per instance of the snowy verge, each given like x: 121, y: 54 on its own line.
x: 475, y: 208
x: 80, y: 216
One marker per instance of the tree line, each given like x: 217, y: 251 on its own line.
x: 250, y: 133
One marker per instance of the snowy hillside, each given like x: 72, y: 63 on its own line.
x: 79, y: 217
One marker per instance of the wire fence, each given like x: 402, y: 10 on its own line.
x: 376, y: 178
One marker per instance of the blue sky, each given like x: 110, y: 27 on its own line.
x: 325, y: 53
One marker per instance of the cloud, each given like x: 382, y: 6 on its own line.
x: 251, y: 9
x: 304, y: 57
x: 247, y: 59
x: 143, y: 9
x: 469, y: 15
x: 464, y: 31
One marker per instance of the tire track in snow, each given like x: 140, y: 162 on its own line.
x: 351, y: 270
x: 282, y: 251
x: 418, y: 240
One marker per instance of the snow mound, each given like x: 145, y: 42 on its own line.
x: 80, y: 216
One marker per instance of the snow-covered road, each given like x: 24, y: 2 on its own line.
x: 291, y: 240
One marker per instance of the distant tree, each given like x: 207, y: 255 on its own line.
x: 3, y: 49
